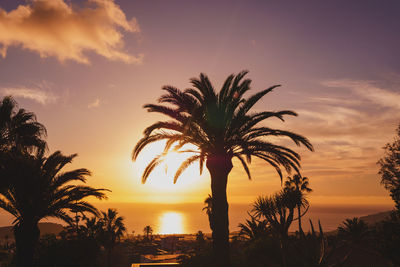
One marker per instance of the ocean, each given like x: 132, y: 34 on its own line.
x: 189, y: 218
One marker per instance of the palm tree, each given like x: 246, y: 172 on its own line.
x: 253, y: 229
x: 113, y: 229
x: 208, y: 209
x: 301, y: 185
x: 38, y: 190
x: 221, y: 127
x: 19, y: 128
x: 92, y: 228
x: 148, y: 231
x: 277, y: 210
x: 353, y: 231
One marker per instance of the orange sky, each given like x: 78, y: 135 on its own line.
x: 87, y: 67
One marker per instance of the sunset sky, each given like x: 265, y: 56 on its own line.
x: 87, y: 67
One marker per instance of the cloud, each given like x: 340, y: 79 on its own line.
x: 40, y: 94
x: 54, y: 28
x: 367, y: 90
x: 94, y: 104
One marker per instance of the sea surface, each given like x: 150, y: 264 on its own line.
x: 189, y: 218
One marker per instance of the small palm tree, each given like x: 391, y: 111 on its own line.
x: 221, y: 126
x: 38, y: 190
x: 19, y: 128
x: 208, y: 209
x: 113, y: 229
x: 353, y: 231
x: 148, y: 231
x: 301, y: 185
x: 92, y: 228
x: 278, y: 211
x: 200, y: 240
x: 253, y: 229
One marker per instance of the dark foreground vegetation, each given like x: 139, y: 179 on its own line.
x: 33, y: 187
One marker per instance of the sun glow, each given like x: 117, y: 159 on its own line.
x: 162, y: 176
x: 171, y: 223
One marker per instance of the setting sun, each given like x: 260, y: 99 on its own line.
x: 171, y: 223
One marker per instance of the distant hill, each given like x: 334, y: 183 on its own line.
x: 45, y: 228
x: 375, y: 218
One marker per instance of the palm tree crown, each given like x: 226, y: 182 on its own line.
x: 19, y: 128
x: 39, y: 190
x: 353, y: 230
x: 299, y: 183
x: 218, y: 124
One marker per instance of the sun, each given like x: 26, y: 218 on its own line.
x: 171, y: 222
x: 162, y: 177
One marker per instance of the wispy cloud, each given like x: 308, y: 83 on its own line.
x: 55, y: 28
x: 94, y: 104
x: 368, y: 90
x: 40, y: 93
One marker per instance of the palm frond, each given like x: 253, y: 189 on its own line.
x: 184, y: 166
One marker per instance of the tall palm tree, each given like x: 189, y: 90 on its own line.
x: 301, y: 185
x: 38, y: 190
x: 221, y: 126
x: 353, y: 231
x: 19, y: 128
x: 113, y: 229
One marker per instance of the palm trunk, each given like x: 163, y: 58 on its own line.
x: 109, y: 255
x: 219, y: 168
x: 26, y: 238
x: 300, y: 229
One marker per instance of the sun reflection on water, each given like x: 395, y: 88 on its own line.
x: 171, y: 222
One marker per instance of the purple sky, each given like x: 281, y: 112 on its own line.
x: 338, y: 63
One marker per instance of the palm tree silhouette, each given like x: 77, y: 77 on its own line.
x: 221, y: 126
x: 19, y: 128
x: 301, y: 185
x: 39, y: 190
x: 278, y: 210
x: 92, y: 228
x: 208, y: 209
x: 253, y: 229
x: 148, y: 231
x: 353, y: 231
x: 113, y: 229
